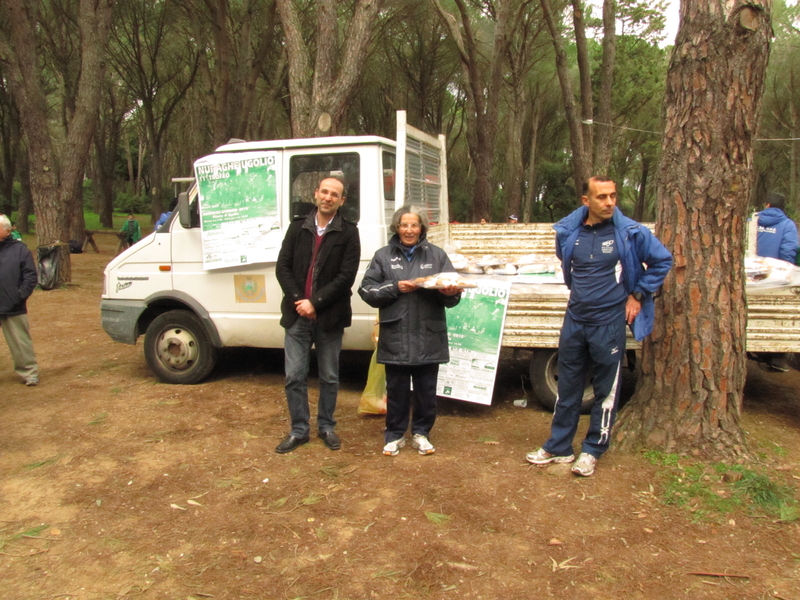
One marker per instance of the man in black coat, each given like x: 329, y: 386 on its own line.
x: 17, y: 281
x: 316, y: 268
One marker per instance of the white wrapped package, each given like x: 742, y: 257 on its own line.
x: 770, y: 274
x: 443, y: 280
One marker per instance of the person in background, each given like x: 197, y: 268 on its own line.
x: 316, y: 268
x: 15, y: 235
x: 777, y: 238
x: 513, y: 219
x: 777, y: 233
x: 165, y: 215
x: 412, y: 341
x: 18, y: 279
x: 131, y: 230
x: 602, y: 252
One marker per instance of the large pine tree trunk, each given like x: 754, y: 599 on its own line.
x: 56, y: 170
x: 602, y: 139
x: 689, y: 395
x: 581, y: 161
x: 321, y: 88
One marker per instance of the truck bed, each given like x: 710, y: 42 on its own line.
x: 536, y: 311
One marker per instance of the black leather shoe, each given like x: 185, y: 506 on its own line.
x: 331, y: 440
x: 289, y: 443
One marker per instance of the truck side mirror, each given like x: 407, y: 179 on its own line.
x: 184, y: 210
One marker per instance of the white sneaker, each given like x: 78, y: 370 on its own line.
x: 421, y: 443
x: 393, y: 448
x: 543, y: 457
x: 584, y: 466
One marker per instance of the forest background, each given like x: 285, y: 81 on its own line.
x: 179, y: 78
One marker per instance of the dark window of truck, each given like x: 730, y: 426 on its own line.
x: 306, y: 171
x: 389, y: 167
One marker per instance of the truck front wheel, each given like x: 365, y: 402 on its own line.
x: 544, y: 380
x: 178, y: 348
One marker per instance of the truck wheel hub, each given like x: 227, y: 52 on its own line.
x: 177, y: 349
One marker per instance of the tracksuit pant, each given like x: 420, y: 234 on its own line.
x: 586, y: 350
x: 401, y: 401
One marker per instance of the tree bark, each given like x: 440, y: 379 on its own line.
x: 689, y: 395
x: 321, y: 90
x: 580, y: 164
x: 638, y: 211
x: 483, y: 78
x: 602, y: 126
x: 585, y: 76
x: 25, y: 207
x: 533, y: 157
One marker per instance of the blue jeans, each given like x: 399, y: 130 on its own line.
x: 586, y: 349
x: 297, y: 344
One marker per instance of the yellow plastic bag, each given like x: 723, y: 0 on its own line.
x: 373, y: 400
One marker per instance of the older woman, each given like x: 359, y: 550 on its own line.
x: 413, y: 328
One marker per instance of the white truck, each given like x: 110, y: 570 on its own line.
x: 206, y: 279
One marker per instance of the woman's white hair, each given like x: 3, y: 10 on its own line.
x: 5, y: 222
x: 409, y: 209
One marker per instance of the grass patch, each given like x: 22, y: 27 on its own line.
x: 437, y: 518
x: 712, y: 491
x: 661, y: 459
x: 41, y: 463
x: 98, y: 419
x: 32, y: 532
x: 312, y: 498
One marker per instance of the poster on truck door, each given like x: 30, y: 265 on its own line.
x: 238, y: 196
x: 475, y: 332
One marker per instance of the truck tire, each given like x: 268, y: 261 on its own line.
x: 544, y: 380
x: 178, y: 349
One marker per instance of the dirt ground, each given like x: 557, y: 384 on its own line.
x: 113, y: 485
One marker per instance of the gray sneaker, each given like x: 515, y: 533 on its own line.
x: 584, y: 466
x: 422, y: 444
x: 543, y: 457
x: 32, y: 380
x: 393, y: 448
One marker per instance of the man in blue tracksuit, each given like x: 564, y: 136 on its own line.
x: 602, y: 254
x: 777, y: 233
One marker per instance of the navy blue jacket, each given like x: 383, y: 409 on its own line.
x: 18, y: 277
x: 777, y: 235
x: 413, y: 326
x: 636, y: 245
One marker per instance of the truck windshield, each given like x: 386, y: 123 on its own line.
x: 306, y: 171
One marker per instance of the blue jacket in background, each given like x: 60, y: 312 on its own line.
x: 636, y: 245
x: 777, y: 235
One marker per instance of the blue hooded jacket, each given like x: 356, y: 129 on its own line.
x: 637, y: 245
x: 777, y: 235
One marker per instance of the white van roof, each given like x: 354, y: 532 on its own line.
x: 341, y: 140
